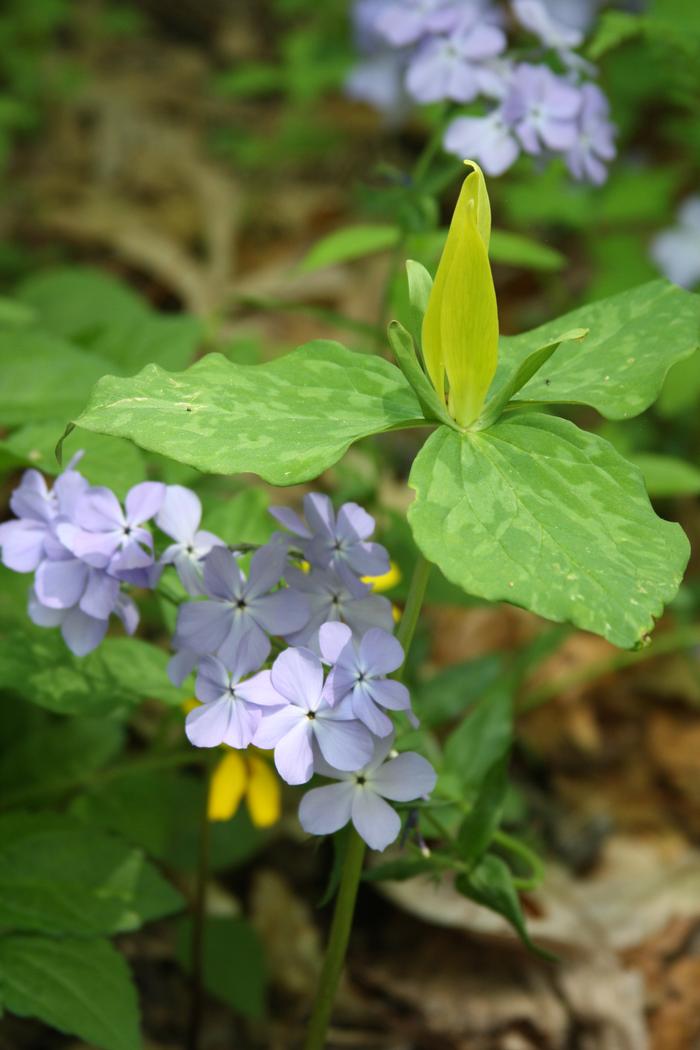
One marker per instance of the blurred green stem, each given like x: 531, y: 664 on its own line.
x: 194, y: 1029
x: 354, y: 857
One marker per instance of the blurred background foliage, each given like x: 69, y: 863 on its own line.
x: 178, y: 179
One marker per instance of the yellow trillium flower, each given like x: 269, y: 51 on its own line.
x: 241, y: 775
x: 460, y: 327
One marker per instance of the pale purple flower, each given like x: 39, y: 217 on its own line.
x: 179, y: 517
x: 336, y: 596
x: 595, y: 138
x: 446, y: 67
x: 406, y: 22
x: 534, y: 16
x: 304, y: 715
x: 378, y: 80
x: 26, y: 541
x: 329, y: 541
x: 676, y: 251
x: 542, y: 109
x: 359, y: 673
x: 230, y: 711
x: 81, y: 632
x: 488, y: 140
x: 240, y: 611
x: 107, y: 537
x: 361, y: 796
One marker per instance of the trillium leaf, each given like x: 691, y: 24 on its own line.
x: 522, y: 375
x: 539, y: 513
x: 634, y: 339
x: 405, y: 353
x: 287, y: 420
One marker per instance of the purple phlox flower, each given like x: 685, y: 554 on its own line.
x: 230, y: 711
x: 595, y: 142
x: 489, y: 140
x: 240, y: 611
x: 534, y: 16
x: 542, y: 108
x: 26, y: 541
x: 303, y: 715
x: 329, y: 541
x: 107, y: 537
x: 378, y: 80
x: 179, y: 517
x: 181, y: 664
x: 361, y: 796
x: 676, y: 251
x: 407, y: 21
x: 359, y: 673
x: 446, y: 67
x: 82, y: 632
x: 337, y: 596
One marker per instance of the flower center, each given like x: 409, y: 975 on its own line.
x: 310, y: 715
x: 361, y: 780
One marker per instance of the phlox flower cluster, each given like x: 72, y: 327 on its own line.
x: 457, y: 51
x: 324, y: 703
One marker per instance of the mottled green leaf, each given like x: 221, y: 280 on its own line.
x: 81, y: 987
x: 536, y: 512
x: 287, y: 420
x: 59, y: 877
x: 620, y: 366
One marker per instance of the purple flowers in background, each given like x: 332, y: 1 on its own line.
x: 324, y: 706
x: 676, y: 251
x: 437, y: 50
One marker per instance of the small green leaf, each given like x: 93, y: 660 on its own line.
x: 287, y: 420
x: 633, y: 340
x: 666, y: 475
x: 478, y: 827
x: 420, y: 285
x: 405, y: 353
x: 352, y: 242
x: 449, y: 694
x: 541, y: 514
x: 81, y: 987
x: 614, y: 28
x: 513, y: 249
x: 483, y: 739
x: 530, y: 366
x: 491, y: 884
x: 234, y: 963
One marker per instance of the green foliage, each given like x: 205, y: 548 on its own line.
x: 234, y: 963
x: 551, y: 518
x: 242, y: 518
x: 81, y: 987
x: 514, y: 249
x: 352, y: 242
x: 490, y: 883
x: 667, y: 475
x: 286, y: 421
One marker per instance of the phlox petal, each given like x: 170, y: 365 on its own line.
x: 293, y: 754
x: 144, y: 501
x: 404, y: 778
x: 180, y: 513
x: 324, y: 810
x: 298, y: 675
x: 347, y: 745
x: 374, y: 819
x: 380, y: 653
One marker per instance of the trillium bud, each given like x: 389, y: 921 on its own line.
x: 460, y: 327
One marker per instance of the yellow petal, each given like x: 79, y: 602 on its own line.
x: 460, y: 327
x: 227, y: 787
x: 386, y: 581
x: 263, y: 797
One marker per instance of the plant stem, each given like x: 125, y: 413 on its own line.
x: 194, y: 1028
x: 352, y: 867
x: 337, y: 944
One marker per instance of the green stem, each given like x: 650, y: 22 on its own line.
x: 194, y: 1030
x: 352, y: 866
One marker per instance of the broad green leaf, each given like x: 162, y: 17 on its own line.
x: 106, y: 458
x: 287, y: 420
x: 541, y: 514
x: 162, y: 339
x: 460, y: 327
x: 43, y: 377
x: 401, y: 343
x: 352, y: 242
x: 78, y: 302
x: 35, y: 663
x: 667, y: 475
x: 81, y: 987
x: 41, y: 755
x: 59, y: 877
x: 619, y: 368
x: 234, y: 963
x: 491, y: 884
x: 522, y: 375
x: 514, y: 249
x: 158, y: 811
